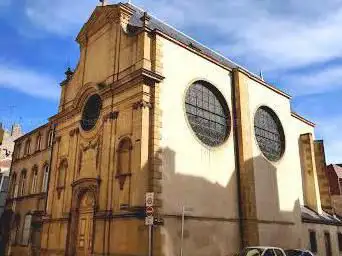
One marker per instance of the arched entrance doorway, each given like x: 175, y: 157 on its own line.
x: 84, y: 238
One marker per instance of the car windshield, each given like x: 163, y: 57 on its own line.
x: 252, y: 252
x: 293, y: 253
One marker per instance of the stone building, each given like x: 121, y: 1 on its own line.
x: 7, y: 139
x: 334, y: 175
x: 149, y: 109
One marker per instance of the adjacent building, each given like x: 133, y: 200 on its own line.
x: 149, y: 109
x: 7, y: 139
x: 334, y: 174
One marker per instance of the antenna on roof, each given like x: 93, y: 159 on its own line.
x: 130, y: 1
x: 102, y: 2
x: 261, y: 75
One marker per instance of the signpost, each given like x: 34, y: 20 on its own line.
x: 149, y: 219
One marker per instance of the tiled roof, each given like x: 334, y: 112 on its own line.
x: 338, y: 169
x: 310, y: 215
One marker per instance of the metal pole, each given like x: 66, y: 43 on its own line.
x: 182, y: 231
x: 149, y: 240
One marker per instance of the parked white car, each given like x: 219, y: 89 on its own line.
x: 298, y: 252
x: 262, y: 251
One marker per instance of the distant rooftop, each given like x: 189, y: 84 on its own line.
x: 338, y: 169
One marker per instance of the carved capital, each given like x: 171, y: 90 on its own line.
x: 58, y: 139
x: 142, y: 104
x: 111, y: 116
x: 74, y: 131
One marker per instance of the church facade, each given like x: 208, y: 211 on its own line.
x: 148, y: 109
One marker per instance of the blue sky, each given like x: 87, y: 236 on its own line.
x: 297, y: 44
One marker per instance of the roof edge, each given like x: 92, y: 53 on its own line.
x: 262, y: 82
x: 32, y: 132
x: 301, y: 118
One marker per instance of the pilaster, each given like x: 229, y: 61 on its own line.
x: 311, y: 188
x: 243, y: 130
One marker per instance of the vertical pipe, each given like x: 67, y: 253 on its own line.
x: 149, y: 240
x: 182, y: 231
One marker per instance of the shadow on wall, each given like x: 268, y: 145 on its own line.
x: 212, y: 223
x: 6, y: 221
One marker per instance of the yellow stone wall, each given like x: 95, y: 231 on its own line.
x: 33, y: 203
x: 142, y: 79
x: 114, y: 65
x: 323, y: 181
x: 311, y: 187
x: 320, y: 229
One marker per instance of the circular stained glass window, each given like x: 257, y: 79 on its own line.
x: 91, y: 112
x: 269, y: 133
x: 207, y: 113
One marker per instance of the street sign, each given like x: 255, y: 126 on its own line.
x: 149, y: 199
x: 149, y: 220
x: 149, y: 202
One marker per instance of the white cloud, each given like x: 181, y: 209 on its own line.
x: 314, y: 82
x: 29, y: 82
x: 269, y: 35
x: 63, y: 17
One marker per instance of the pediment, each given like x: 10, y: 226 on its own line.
x: 101, y: 16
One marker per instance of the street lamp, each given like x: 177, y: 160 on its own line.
x: 184, y: 210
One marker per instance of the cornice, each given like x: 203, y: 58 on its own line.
x: 33, y: 155
x: 38, y: 129
x: 86, y: 180
x: 262, y: 82
x: 101, y: 16
x: 300, y: 118
x: 148, y: 77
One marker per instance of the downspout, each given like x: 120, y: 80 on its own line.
x: 236, y: 152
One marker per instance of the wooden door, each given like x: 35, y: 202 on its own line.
x: 85, y: 225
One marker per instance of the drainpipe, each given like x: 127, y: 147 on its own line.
x: 236, y: 152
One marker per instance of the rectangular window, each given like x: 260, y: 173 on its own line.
x: 327, y: 244
x: 39, y: 139
x: 1, y: 182
x: 34, y: 183
x: 22, y: 185
x: 313, y: 241
x: 339, y: 237
x: 15, y: 192
x: 26, y: 230
x: 45, y: 179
